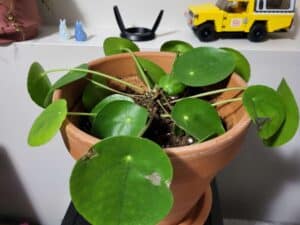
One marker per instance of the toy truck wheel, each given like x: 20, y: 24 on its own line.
x: 206, y: 32
x: 258, y: 32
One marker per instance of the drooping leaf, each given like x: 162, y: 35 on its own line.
x: 123, y: 182
x: 197, y: 118
x: 92, y: 94
x: 266, y: 108
x: 107, y: 100
x: 176, y: 46
x: 171, y: 85
x: 120, y: 118
x: 152, y: 70
x: 290, y: 126
x: 47, y: 124
x: 71, y: 76
x: 38, y: 84
x: 242, y: 66
x: 203, y: 66
x: 115, y: 45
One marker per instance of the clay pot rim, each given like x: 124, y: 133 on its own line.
x: 188, y: 150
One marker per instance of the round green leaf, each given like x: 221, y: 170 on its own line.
x: 242, y: 66
x: 107, y: 100
x: 71, y: 76
x: 171, y: 86
x: 176, y: 46
x: 265, y: 108
x: 152, y: 70
x: 203, y: 66
x: 126, y: 181
x: 92, y: 94
x: 115, y: 45
x: 48, y: 123
x: 198, y: 118
x: 290, y: 125
x: 38, y: 84
x: 120, y: 118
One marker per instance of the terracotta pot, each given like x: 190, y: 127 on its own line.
x: 194, y: 165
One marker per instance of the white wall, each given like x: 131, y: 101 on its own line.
x: 261, y: 183
x: 99, y: 14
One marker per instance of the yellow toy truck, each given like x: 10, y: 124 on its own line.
x: 256, y: 18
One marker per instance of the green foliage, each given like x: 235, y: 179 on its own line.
x: 120, y: 118
x: 198, y: 118
x: 92, y: 93
x: 153, y: 71
x: 47, y: 124
x: 38, y: 84
x: 203, y: 66
x: 71, y: 76
x: 266, y: 109
x: 291, y: 123
x: 107, y: 100
x: 115, y: 45
x: 171, y: 85
x: 179, y: 47
x: 242, y: 66
x: 125, y: 181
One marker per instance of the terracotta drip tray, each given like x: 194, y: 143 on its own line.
x: 200, y: 212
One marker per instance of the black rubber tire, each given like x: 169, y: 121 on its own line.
x: 206, y: 32
x: 258, y: 32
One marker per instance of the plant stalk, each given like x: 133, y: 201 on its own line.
x: 140, y: 69
x: 227, y: 101
x: 109, y: 88
x: 165, y: 115
x: 81, y: 114
x: 210, y: 93
x: 136, y: 88
x: 162, y: 107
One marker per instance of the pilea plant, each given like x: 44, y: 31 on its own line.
x: 127, y: 175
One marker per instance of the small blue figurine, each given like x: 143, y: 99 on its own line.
x: 80, y: 35
x: 64, y: 33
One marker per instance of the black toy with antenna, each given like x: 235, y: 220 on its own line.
x: 137, y: 33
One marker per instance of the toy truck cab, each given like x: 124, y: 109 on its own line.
x: 255, y: 17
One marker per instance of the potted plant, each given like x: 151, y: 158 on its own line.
x: 168, y: 122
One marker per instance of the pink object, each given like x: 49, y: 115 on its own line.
x: 19, y: 20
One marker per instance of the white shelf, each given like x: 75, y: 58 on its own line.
x: 289, y: 41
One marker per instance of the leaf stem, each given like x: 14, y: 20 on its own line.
x: 109, y: 88
x: 210, y: 93
x: 140, y: 69
x: 167, y: 103
x: 162, y: 107
x: 165, y: 115
x: 138, y: 89
x: 227, y: 101
x: 81, y: 114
